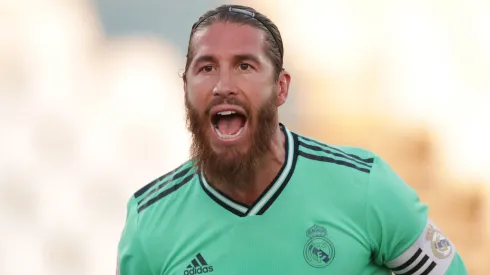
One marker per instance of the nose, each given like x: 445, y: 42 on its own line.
x: 226, y: 85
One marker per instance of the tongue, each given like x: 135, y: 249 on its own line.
x: 229, y: 125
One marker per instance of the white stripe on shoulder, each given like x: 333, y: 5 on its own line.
x: 431, y: 254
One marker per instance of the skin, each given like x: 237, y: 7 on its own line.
x: 230, y: 61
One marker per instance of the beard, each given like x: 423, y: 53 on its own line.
x: 231, y: 167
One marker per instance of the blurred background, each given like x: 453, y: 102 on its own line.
x: 91, y: 109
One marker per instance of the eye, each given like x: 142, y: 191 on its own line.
x: 207, y: 69
x: 245, y: 67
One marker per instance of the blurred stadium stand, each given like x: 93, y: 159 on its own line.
x: 91, y: 109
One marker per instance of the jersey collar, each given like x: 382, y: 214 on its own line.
x: 270, y: 194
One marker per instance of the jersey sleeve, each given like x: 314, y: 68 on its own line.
x: 403, y: 238
x: 131, y: 260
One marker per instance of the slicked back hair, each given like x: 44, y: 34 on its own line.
x: 247, y: 16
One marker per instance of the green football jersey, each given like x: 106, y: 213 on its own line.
x: 330, y: 210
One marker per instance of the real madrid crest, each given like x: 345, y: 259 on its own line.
x: 440, y: 245
x: 319, y: 250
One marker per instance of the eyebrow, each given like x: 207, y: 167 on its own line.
x: 204, y: 58
x: 236, y: 58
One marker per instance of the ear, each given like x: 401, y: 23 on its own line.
x: 184, y: 83
x: 283, y: 88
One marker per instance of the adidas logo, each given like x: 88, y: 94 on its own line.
x: 198, y: 266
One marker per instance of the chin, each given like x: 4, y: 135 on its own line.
x: 229, y: 150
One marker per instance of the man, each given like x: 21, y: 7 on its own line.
x: 257, y: 198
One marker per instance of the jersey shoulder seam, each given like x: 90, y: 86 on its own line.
x: 339, y: 155
x: 151, y: 185
x: 366, y: 206
x: 165, y: 185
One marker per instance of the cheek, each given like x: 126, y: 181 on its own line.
x: 199, y: 89
x: 255, y: 88
x: 259, y: 94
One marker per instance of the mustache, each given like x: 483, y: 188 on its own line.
x: 228, y: 101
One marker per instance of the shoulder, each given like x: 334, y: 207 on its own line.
x: 348, y: 158
x: 349, y: 161
x: 145, y: 206
x: 161, y: 187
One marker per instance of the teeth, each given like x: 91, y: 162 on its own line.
x: 226, y: 113
x: 225, y: 136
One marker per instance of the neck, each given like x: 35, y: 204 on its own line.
x: 269, y: 164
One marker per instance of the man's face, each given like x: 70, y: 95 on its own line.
x: 231, y: 96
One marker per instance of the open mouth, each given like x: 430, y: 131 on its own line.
x: 228, y: 124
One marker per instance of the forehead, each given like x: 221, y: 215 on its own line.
x: 226, y: 39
